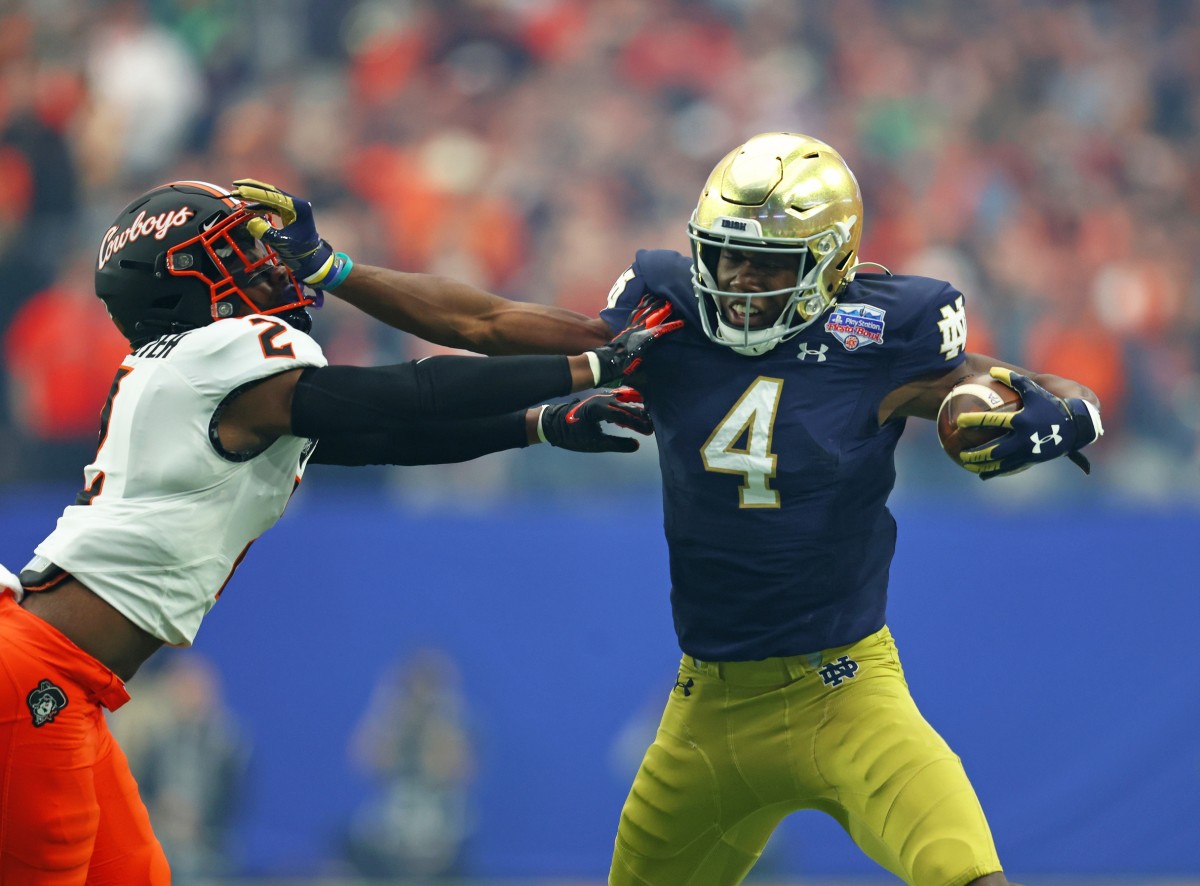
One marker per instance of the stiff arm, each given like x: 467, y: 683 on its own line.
x: 454, y: 314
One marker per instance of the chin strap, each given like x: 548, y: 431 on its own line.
x: 751, y: 348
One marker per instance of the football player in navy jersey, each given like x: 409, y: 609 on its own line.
x: 777, y: 409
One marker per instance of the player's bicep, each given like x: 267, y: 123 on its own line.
x: 255, y: 415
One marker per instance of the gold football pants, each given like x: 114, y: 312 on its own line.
x: 743, y: 744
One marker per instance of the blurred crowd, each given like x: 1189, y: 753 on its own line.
x: 1042, y: 156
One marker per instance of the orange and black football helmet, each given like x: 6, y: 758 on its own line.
x: 179, y: 257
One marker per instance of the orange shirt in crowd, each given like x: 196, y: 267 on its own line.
x: 61, y: 351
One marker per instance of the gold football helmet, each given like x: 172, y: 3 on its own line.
x: 778, y: 192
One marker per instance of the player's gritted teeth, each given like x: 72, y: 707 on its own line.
x: 754, y: 313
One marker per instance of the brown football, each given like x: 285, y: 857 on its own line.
x: 980, y: 393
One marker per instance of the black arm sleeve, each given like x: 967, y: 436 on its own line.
x: 353, y: 399
x: 425, y: 443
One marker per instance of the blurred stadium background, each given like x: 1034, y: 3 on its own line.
x: 449, y: 674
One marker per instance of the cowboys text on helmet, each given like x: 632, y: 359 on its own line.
x: 155, y: 226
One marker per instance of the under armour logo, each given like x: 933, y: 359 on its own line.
x: 806, y: 352
x: 1052, y: 437
x: 685, y: 686
x: 836, y: 671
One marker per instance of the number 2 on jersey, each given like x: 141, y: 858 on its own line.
x: 266, y: 338
x: 741, y: 443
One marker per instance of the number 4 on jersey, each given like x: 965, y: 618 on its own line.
x: 741, y: 443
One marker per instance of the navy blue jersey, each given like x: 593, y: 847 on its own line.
x: 775, y: 469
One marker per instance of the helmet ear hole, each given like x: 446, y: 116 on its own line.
x: 131, y: 265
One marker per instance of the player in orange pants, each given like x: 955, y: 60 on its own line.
x: 209, y: 424
x: 104, y: 836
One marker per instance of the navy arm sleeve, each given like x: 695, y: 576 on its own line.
x: 425, y: 443
x: 334, y: 400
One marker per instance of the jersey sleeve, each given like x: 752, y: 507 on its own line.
x: 662, y: 272
x: 623, y: 297
x: 934, y: 338
x: 230, y: 353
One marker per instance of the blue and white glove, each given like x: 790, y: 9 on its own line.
x: 299, y: 245
x: 1044, y: 428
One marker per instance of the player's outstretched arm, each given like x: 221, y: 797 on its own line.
x: 354, y: 431
x: 320, y: 401
x: 576, y: 425
x: 439, y: 309
x: 449, y: 312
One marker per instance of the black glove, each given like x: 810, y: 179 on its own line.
x: 623, y: 355
x: 1045, y: 427
x: 576, y: 425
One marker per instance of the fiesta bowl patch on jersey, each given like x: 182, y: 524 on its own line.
x: 856, y: 325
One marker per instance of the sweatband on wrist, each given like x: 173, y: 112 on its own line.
x: 594, y: 363
x: 342, y: 266
x: 540, y: 432
x: 332, y: 272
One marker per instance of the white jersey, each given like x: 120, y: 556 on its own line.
x: 167, y: 514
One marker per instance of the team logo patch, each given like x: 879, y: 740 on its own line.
x: 45, y: 702
x: 856, y: 326
x: 953, y: 327
x: 685, y: 685
x: 837, y: 672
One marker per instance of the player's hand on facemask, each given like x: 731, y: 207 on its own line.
x: 576, y: 425
x: 299, y: 245
x: 622, y: 356
x: 1045, y: 427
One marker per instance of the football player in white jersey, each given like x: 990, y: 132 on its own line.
x: 206, y: 432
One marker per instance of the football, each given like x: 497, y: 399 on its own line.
x: 981, y: 393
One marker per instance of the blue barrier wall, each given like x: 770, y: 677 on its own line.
x: 1051, y: 648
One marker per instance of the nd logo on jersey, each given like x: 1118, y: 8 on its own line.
x: 856, y: 326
